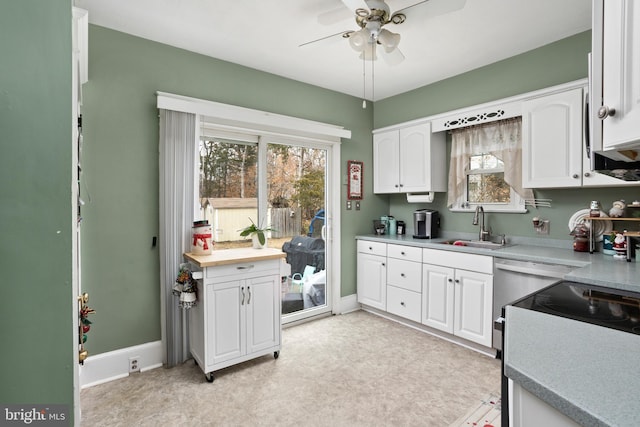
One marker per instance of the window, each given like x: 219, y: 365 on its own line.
x: 486, y: 168
x: 485, y: 180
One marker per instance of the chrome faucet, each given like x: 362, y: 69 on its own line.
x: 483, y: 235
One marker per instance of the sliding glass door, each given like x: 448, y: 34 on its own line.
x: 297, y: 195
x: 282, y: 185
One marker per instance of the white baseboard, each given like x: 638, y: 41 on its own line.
x: 349, y: 303
x: 113, y: 365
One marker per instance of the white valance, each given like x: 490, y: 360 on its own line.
x: 250, y: 120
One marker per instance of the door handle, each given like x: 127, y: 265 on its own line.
x: 249, y: 299
x: 242, y: 292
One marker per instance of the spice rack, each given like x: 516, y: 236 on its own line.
x: 627, y: 234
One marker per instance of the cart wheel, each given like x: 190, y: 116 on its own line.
x: 276, y: 354
x: 209, y: 377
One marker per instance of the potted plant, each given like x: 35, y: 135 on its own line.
x: 257, y: 234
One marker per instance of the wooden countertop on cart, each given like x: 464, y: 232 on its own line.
x: 234, y: 256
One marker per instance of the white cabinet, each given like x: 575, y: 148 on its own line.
x: 372, y: 274
x: 615, y: 73
x: 457, y: 294
x: 472, y: 307
x: 527, y: 410
x: 404, y: 281
x: 409, y: 160
x: 553, y: 148
x: 237, y: 317
x: 552, y: 140
x: 437, y: 297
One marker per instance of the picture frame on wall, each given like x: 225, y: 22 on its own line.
x: 354, y: 179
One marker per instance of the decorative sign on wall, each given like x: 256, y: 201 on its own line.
x: 354, y: 181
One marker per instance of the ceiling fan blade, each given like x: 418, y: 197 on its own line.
x: 392, y: 58
x: 356, y: 4
x: 332, y: 37
x: 334, y: 16
x: 437, y: 7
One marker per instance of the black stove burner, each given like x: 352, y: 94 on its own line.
x: 591, y: 304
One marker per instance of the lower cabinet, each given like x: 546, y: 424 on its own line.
x: 458, y: 302
x: 372, y: 274
x: 437, y: 297
x: 237, y: 317
x: 445, y: 290
x: 527, y: 410
x: 472, y: 312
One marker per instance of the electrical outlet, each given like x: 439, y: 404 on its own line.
x: 134, y: 366
x: 348, y: 205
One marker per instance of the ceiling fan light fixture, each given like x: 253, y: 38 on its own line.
x: 358, y: 40
x: 388, y: 40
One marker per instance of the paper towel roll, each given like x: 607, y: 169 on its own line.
x: 420, y: 197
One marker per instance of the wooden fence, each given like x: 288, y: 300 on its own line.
x: 286, y: 221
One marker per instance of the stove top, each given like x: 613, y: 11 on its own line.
x: 606, y: 307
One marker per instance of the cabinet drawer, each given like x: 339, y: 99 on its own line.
x: 410, y: 253
x: 243, y: 270
x: 471, y: 262
x: 374, y: 248
x: 404, y: 274
x: 404, y: 303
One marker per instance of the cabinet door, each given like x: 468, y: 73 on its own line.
x: 552, y: 140
x: 528, y: 410
x: 386, y: 162
x: 263, y: 313
x: 415, y: 150
x: 473, y: 296
x: 437, y: 297
x: 621, y: 73
x: 225, y: 329
x: 372, y: 278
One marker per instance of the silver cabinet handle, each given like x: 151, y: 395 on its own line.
x: 242, y: 292
x: 249, y: 299
x: 245, y: 267
x: 402, y: 303
x: 605, y: 111
x: 575, y: 176
x: 402, y: 275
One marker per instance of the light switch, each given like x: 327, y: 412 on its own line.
x: 358, y: 205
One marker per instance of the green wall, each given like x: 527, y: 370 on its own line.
x: 556, y: 63
x: 36, y: 299
x: 120, y: 166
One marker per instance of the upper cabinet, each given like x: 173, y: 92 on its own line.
x: 552, y: 140
x: 553, y: 147
x: 409, y: 160
x: 615, y: 77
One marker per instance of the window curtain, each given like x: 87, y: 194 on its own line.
x: 177, y: 149
x: 502, y: 139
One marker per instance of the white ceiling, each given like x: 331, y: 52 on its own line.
x: 266, y: 34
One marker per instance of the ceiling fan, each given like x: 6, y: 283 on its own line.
x: 371, y: 16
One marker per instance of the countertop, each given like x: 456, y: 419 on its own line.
x: 594, y: 269
x: 597, y: 383
x: 593, y: 377
x: 234, y: 256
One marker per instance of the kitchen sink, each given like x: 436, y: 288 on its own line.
x: 475, y: 244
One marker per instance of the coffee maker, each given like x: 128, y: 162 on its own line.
x: 426, y: 223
